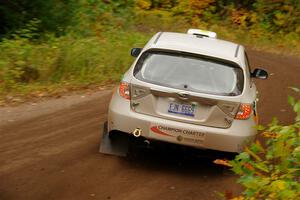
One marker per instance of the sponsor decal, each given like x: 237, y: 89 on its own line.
x: 157, y: 130
x: 181, y: 135
x: 195, y: 141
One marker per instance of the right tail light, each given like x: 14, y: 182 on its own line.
x: 244, y: 112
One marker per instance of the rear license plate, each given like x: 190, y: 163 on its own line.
x: 182, y: 109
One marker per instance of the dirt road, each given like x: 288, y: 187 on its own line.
x: 49, y: 150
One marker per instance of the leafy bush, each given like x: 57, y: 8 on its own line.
x: 272, y: 171
x: 272, y: 16
x: 15, y: 57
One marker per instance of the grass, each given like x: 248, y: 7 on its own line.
x: 66, y: 62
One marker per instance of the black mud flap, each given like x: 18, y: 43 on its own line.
x: 117, y: 145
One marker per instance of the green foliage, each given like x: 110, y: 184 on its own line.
x: 93, y: 16
x: 295, y: 104
x: 94, y: 59
x: 271, y: 16
x: 59, y: 15
x: 274, y: 24
x: 15, y: 65
x: 94, y: 49
x: 65, y: 59
x: 280, y: 15
x: 272, y: 171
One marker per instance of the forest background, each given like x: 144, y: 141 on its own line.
x: 52, y: 46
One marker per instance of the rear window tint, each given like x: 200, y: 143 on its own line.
x: 190, y: 73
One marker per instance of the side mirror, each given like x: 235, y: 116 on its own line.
x: 135, y: 52
x: 259, y: 73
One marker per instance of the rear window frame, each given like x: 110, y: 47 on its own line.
x: 139, y: 63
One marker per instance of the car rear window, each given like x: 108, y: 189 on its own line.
x: 189, y: 72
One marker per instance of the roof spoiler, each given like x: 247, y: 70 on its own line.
x: 202, y: 33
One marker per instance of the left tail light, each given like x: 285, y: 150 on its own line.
x: 124, y: 90
x: 244, y: 111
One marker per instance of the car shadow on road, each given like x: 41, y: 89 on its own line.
x: 179, y: 159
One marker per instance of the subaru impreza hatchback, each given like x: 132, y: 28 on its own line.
x: 189, y: 89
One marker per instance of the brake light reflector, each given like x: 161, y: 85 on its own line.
x: 124, y: 90
x: 244, y: 111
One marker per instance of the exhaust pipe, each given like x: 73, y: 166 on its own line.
x: 137, y: 132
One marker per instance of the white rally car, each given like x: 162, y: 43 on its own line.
x: 190, y: 89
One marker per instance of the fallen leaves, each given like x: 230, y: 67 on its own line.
x: 223, y: 162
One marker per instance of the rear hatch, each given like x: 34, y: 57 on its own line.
x: 186, y: 88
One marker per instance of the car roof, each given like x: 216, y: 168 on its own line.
x: 194, y: 44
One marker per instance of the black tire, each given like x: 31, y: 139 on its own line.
x: 113, y: 134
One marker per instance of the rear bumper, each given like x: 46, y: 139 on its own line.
x: 122, y: 118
